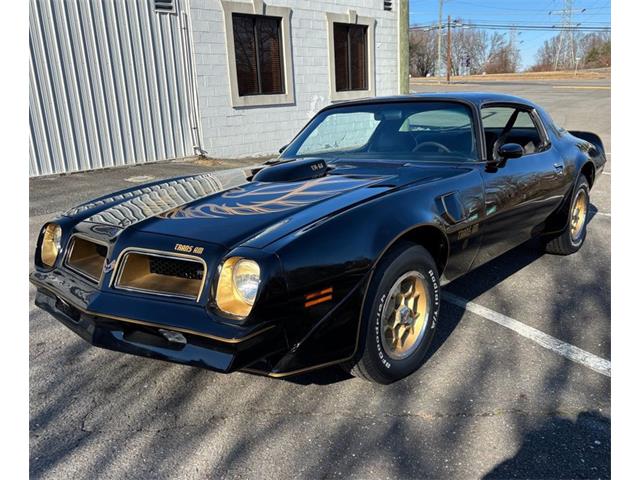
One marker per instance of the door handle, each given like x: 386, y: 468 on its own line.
x: 559, y: 167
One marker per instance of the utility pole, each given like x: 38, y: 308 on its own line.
x: 567, y: 34
x: 403, y: 47
x: 449, y: 49
x: 439, y: 64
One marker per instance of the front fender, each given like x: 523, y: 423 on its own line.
x: 327, y: 267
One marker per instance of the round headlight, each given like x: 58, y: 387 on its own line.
x: 246, y: 278
x: 237, y: 286
x: 50, y: 247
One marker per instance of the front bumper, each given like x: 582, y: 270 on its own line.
x: 161, y: 330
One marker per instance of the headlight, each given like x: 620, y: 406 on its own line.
x: 238, y: 286
x: 50, y: 244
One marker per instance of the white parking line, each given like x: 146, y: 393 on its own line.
x: 564, y: 349
x: 597, y: 212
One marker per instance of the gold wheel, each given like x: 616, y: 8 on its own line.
x: 579, y: 215
x: 405, y: 315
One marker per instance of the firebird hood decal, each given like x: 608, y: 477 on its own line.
x: 225, y: 208
x: 266, y: 198
x: 138, y: 205
x: 186, y: 206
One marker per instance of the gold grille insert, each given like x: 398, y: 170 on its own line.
x: 87, y: 257
x: 163, y: 275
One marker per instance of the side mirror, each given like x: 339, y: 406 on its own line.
x: 510, y: 150
x: 283, y: 148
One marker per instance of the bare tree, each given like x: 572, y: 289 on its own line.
x: 594, y: 50
x: 468, y: 51
x: 504, y: 56
x: 472, y: 52
x: 423, y: 52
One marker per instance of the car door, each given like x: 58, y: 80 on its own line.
x: 520, y: 193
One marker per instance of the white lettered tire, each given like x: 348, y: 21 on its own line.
x: 399, y: 316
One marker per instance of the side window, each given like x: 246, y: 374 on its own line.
x: 523, y: 131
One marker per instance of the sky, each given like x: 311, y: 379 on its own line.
x: 597, y: 13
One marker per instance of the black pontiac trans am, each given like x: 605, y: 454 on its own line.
x: 333, y: 253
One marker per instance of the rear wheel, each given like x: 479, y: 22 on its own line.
x: 574, y: 234
x: 399, y: 317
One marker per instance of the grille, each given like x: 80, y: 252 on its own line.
x: 161, y: 275
x: 86, y: 257
x: 175, y: 268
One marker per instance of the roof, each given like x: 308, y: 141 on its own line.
x: 476, y: 98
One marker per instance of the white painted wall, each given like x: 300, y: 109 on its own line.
x: 235, y: 132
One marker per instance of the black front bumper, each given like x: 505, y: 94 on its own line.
x: 157, y: 340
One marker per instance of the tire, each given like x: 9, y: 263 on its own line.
x: 572, y: 238
x: 383, y: 356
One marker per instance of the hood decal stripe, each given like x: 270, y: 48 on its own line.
x: 161, y: 198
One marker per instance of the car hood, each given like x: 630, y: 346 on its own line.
x: 227, y: 208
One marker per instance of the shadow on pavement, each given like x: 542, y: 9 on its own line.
x: 562, y: 448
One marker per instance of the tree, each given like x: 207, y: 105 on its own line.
x: 468, y: 51
x: 504, y: 56
x: 472, y: 51
x: 594, y: 50
x: 423, y: 52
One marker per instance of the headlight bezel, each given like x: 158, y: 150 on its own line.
x: 227, y: 297
x: 50, y: 244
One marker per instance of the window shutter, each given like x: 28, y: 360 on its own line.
x: 358, y: 44
x: 341, y: 47
x: 270, y: 52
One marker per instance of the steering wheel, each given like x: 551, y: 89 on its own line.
x: 440, y: 146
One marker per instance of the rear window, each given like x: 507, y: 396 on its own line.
x: 436, y: 119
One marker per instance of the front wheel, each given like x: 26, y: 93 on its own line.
x: 400, y: 315
x: 574, y: 234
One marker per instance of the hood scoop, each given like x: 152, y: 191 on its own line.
x: 293, y: 171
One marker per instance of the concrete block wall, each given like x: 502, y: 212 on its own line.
x: 229, y: 132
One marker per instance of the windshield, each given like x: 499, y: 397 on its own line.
x: 430, y: 130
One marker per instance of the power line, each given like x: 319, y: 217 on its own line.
x: 519, y: 26
x: 523, y: 10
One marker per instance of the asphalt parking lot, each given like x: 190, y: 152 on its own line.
x: 491, y: 402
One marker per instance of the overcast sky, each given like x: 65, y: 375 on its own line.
x: 597, y: 13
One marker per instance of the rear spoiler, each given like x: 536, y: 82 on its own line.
x: 591, y: 138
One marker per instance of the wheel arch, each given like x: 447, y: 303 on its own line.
x: 432, y: 238
x: 588, y: 169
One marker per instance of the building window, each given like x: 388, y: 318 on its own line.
x: 350, y: 50
x: 260, y: 63
x: 257, y: 43
x: 351, y: 56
